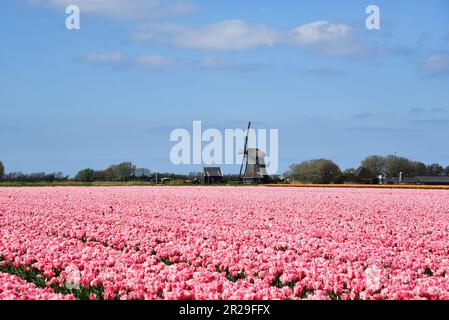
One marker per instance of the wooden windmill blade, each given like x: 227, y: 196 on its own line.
x: 245, y: 151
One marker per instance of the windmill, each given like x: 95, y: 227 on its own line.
x: 254, y: 162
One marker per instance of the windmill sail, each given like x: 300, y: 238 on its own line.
x: 245, y: 151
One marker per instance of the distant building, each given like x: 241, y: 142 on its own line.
x: 432, y: 180
x: 400, y: 180
x: 256, y: 170
x: 364, y: 175
x: 166, y: 180
x: 212, y: 175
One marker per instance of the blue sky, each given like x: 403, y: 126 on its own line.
x: 137, y: 69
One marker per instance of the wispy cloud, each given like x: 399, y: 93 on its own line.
x: 327, y: 38
x: 431, y: 122
x: 324, y: 72
x: 102, y: 58
x: 226, y: 35
x: 438, y: 110
x: 377, y: 130
x: 122, y: 9
x: 151, y: 61
x: 363, y: 116
x: 416, y: 111
x: 247, y: 67
x: 160, y: 62
x: 402, y: 50
x: 147, y: 61
x: 319, y: 32
x: 214, y: 63
x: 321, y: 37
x: 437, y: 64
x: 419, y: 111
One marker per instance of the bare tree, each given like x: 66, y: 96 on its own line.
x: 375, y: 163
x: 123, y: 171
x: 394, y: 165
x: 142, y: 173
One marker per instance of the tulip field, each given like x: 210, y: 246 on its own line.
x: 223, y: 243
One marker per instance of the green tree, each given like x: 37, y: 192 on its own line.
x: 315, y: 171
x: 86, y: 175
x: 346, y: 176
x: 375, y: 163
x: 394, y: 165
x: 123, y: 171
x: 105, y: 175
x: 2, y: 170
x: 420, y: 169
x: 435, y: 170
x: 446, y: 171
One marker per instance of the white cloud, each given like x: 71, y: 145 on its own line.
x: 147, y: 61
x: 436, y: 64
x: 320, y: 36
x: 123, y: 9
x: 160, y: 62
x: 226, y: 35
x: 320, y: 32
x: 152, y: 61
x: 327, y: 38
x: 103, y: 58
x: 218, y: 63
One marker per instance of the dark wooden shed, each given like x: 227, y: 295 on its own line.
x: 364, y: 175
x: 212, y: 175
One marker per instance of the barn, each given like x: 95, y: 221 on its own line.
x: 212, y: 175
x: 364, y: 175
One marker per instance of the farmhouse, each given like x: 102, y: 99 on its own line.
x: 212, y: 175
x: 166, y: 180
x: 364, y: 175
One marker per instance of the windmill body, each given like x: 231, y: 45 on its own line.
x: 254, y: 163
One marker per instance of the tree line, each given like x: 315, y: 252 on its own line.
x: 122, y: 172
x: 321, y: 171
x: 127, y: 171
x: 324, y: 171
x: 31, y: 177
